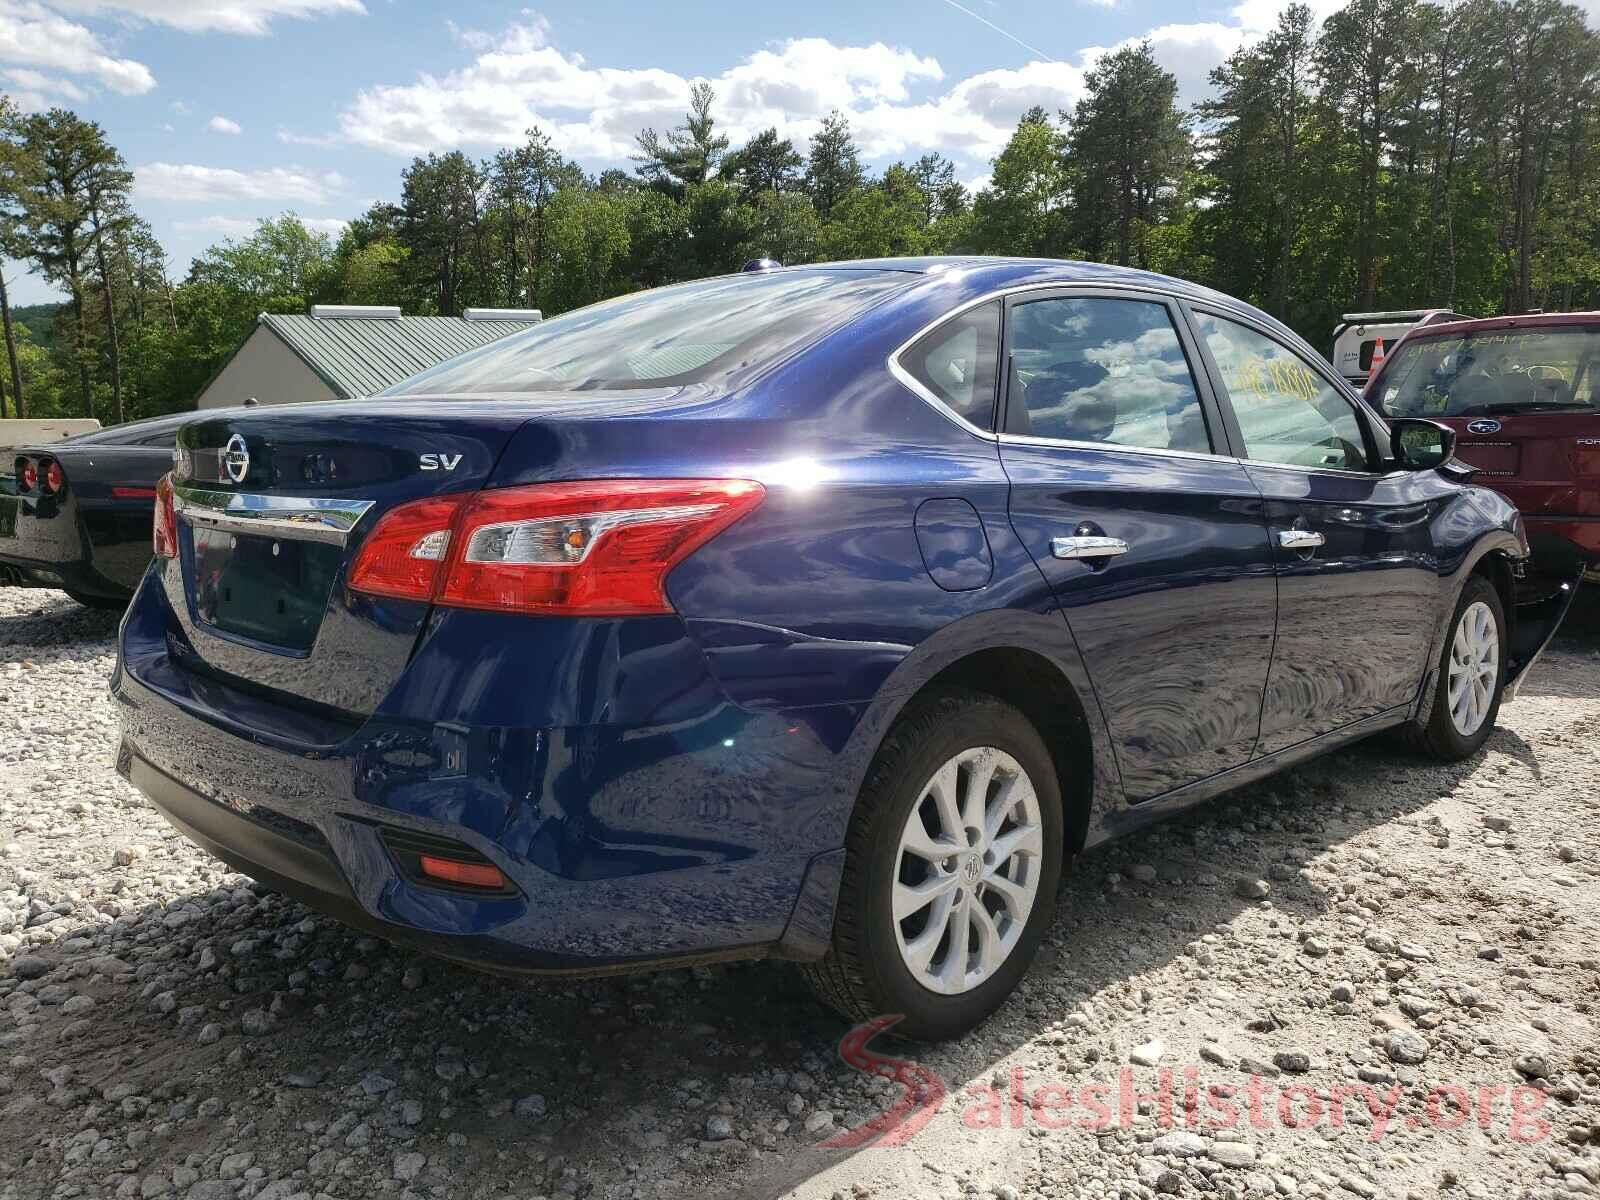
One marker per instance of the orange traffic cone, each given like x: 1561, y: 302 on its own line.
x: 1377, y: 357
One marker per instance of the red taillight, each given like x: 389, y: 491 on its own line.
x: 464, y: 874
x: 54, y: 477
x: 27, y: 474
x: 164, y: 529
x: 596, y: 548
x: 402, y: 556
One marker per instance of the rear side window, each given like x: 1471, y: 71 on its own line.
x: 959, y: 363
x: 1502, y: 372
x: 1098, y: 369
x: 1287, y: 412
x: 698, y: 332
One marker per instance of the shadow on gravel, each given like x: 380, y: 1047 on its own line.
x: 54, y: 627
x: 236, y: 1010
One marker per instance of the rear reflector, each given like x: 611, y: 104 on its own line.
x: 133, y: 493
x: 462, y: 874
x: 164, y: 526
x: 596, y: 548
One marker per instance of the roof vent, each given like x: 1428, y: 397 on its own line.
x: 355, y: 312
x: 530, y: 315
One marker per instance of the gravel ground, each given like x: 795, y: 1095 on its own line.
x: 1369, y: 937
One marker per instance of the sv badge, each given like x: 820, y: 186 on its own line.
x: 440, y: 462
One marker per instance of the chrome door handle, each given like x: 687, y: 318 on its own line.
x: 1087, y: 547
x: 1300, y: 539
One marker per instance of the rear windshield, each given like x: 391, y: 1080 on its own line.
x: 1510, y: 371
x: 692, y: 333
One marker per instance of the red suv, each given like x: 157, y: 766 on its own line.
x: 1523, y: 395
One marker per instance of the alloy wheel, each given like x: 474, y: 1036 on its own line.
x: 967, y: 870
x: 1474, y: 668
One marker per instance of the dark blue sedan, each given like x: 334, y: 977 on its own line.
x: 815, y: 613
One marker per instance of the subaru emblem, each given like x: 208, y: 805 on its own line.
x: 236, y: 458
x: 1487, y: 425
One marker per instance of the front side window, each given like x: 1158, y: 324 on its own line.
x: 1287, y: 412
x: 700, y: 332
x: 1494, y: 373
x: 959, y: 363
x: 1098, y: 369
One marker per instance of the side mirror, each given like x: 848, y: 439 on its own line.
x: 1419, y: 444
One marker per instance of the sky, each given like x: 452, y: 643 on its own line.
x: 233, y: 110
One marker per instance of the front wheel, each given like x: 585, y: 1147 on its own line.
x: 952, y: 862
x: 1472, y: 673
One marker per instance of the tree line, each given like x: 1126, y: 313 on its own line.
x: 1405, y: 153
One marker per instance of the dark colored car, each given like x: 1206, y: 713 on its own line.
x: 817, y: 613
x: 77, y: 514
x: 1523, y: 395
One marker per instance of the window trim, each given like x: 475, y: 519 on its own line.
x: 906, y: 376
x: 1210, y: 413
x: 1127, y: 291
x: 1371, y: 425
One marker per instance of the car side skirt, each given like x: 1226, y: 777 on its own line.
x: 1136, y: 816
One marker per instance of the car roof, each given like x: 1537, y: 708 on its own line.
x: 1485, y: 324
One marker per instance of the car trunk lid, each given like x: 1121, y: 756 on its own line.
x: 273, y: 506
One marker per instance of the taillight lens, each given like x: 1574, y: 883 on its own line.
x: 402, y: 556
x: 54, y: 477
x: 27, y: 474
x: 597, y: 548
x: 164, y: 529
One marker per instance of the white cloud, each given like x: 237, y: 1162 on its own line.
x: 233, y: 227
x: 202, y: 16
x: 219, y: 225
x: 38, y: 83
x: 190, y: 182
x: 33, y: 36
x: 220, y: 124
x: 290, y: 138
x: 518, y: 80
x: 899, y: 102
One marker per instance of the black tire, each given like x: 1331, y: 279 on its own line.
x: 863, y: 975
x: 99, y: 603
x: 1437, y: 735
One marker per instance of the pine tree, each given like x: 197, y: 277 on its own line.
x: 833, y: 167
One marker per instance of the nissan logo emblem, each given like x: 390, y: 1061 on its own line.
x: 236, y: 458
x: 1488, y: 425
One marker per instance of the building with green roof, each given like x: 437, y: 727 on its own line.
x: 341, y: 351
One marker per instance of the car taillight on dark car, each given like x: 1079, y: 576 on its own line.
x: 593, y: 548
x: 164, y: 528
x: 54, y: 478
x: 27, y: 474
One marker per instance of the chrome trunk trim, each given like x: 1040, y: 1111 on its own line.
x: 298, y: 518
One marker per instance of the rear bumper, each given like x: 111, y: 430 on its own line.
x: 1562, y: 545
x: 79, y: 577
x: 627, y: 847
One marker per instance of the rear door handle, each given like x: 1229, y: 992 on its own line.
x: 1087, y: 547
x: 1300, y: 539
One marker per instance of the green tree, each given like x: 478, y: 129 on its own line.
x: 833, y: 166
x: 1128, y: 147
x: 1023, y: 209
x: 766, y: 163
x: 76, y: 174
x: 441, y: 230
x: 688, y: 154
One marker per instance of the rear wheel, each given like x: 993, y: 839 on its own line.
x: 1472, y: 672
x: 952, y: 863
